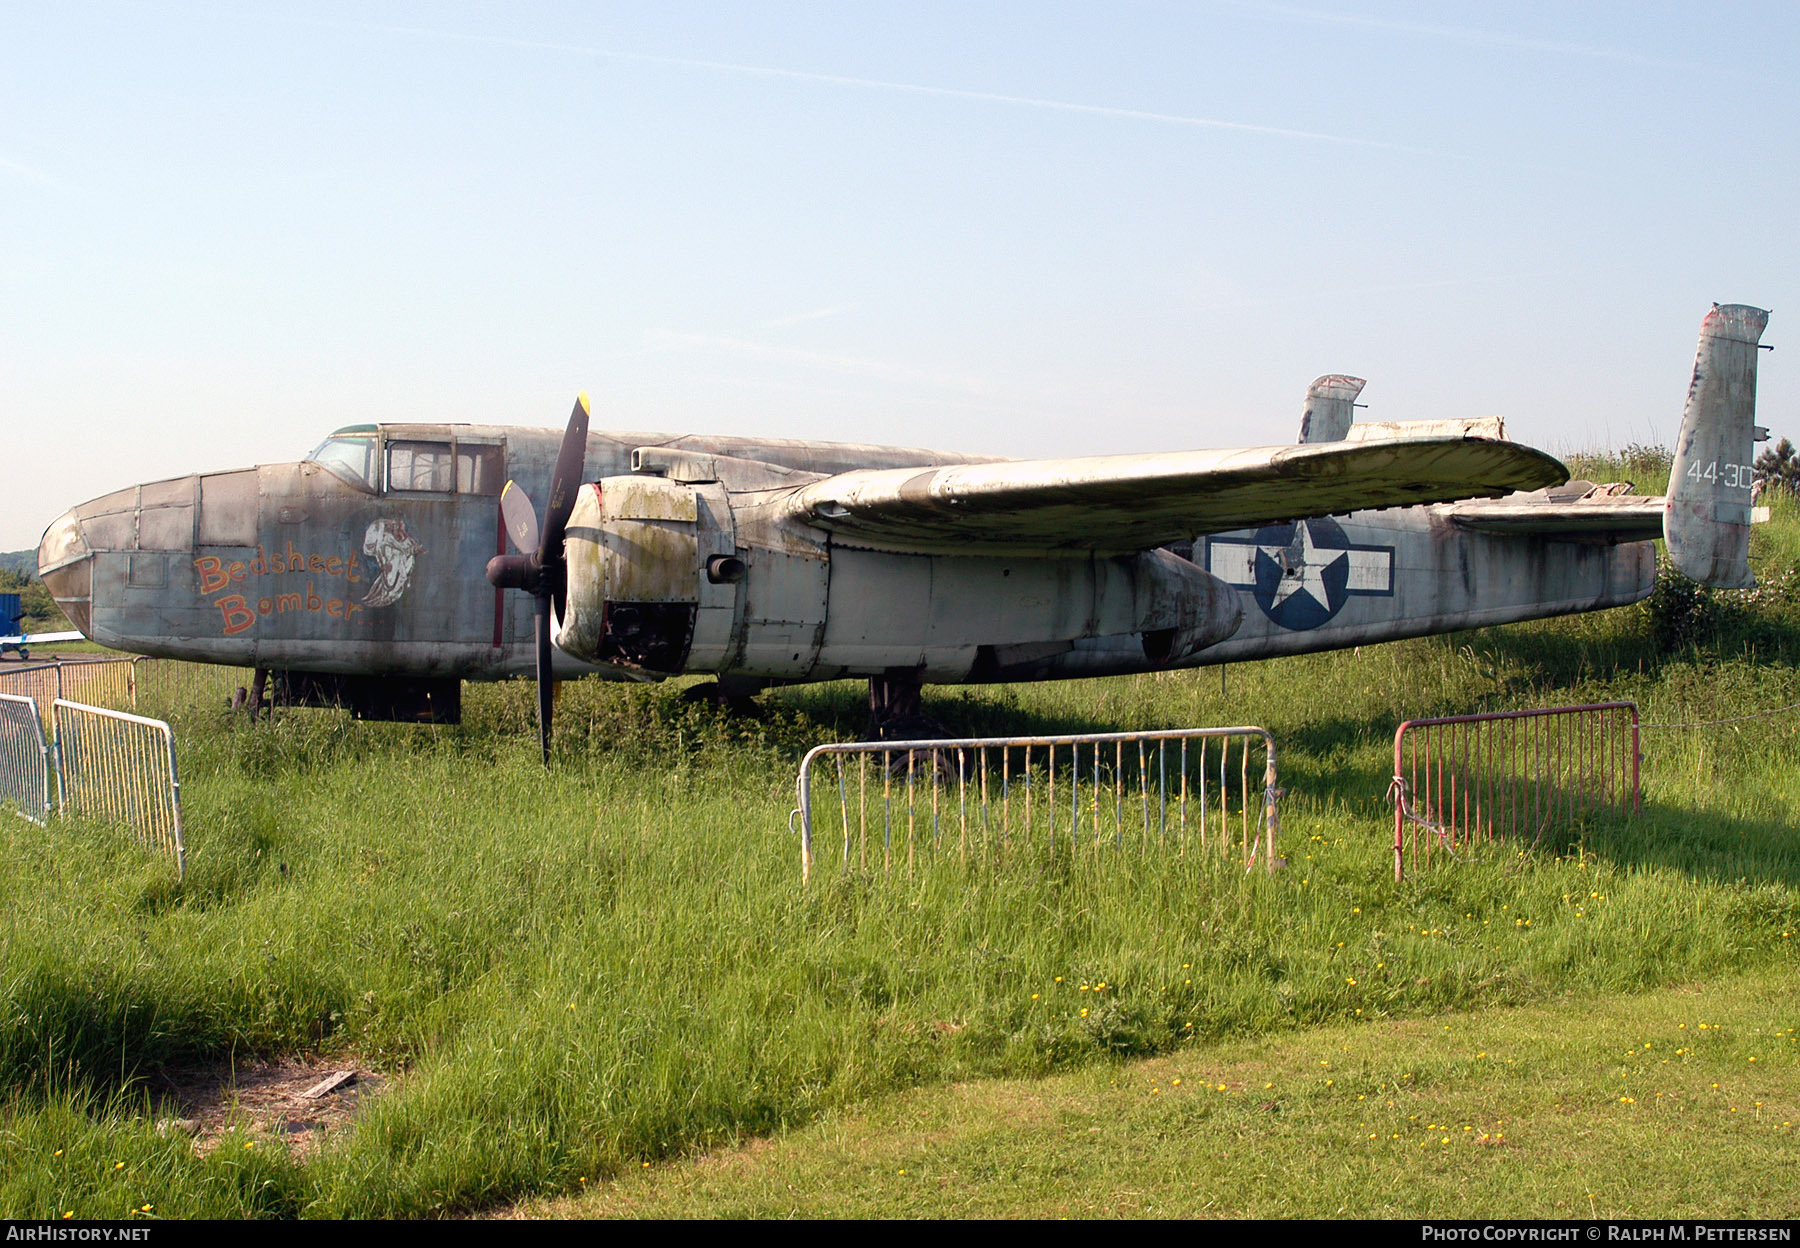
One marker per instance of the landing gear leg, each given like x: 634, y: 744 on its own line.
x: 896, y: 711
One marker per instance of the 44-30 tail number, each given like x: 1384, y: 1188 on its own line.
x: 1731, y: 476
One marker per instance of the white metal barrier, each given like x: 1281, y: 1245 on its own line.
x: 982, y: 795
x: 120, y: 768
x: 96, y: 680
x: 39, y: 683
x: 24, y: 758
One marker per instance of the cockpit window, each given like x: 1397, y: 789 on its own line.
x: 479, y: 469
x: 437, y: 467
x: 357, y: 455
x: 420, y: 466
x: 349, y: 456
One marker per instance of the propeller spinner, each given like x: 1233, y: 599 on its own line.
x: 538, y: 568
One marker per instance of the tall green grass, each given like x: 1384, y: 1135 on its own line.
x: 574, y: 971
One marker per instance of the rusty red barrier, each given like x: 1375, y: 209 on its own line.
x: 1468, y: 778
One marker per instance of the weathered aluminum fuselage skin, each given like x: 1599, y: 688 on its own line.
x: 1406, y: 572
x: 806, y: 607
x: 291, y: 566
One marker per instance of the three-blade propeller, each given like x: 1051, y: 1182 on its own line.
x: 539, y: 568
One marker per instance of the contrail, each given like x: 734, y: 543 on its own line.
x: 1462, y: 34
x: 27, y: 173
x: 908, y: 88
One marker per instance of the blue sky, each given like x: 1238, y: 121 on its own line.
x: 1039, y: 229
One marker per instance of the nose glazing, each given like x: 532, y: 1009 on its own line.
x: 66, y: 566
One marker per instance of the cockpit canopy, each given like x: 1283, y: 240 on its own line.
x: 361, y: 456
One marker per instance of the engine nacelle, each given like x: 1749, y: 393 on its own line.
x: 663, y: 578
x: 639, y: 593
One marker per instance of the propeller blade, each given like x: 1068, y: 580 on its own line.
x: 544, y: 677
x: 520, y: 517
x: 564, y: 483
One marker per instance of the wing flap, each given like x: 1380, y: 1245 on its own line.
x: 1122, y: 503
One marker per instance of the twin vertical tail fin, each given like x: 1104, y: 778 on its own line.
x: 1706, y: 516
x: 1330, y: 408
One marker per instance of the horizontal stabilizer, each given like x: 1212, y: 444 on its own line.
x: 1590, y: 517
x: 1124, y: 503
x: 1388, y: 430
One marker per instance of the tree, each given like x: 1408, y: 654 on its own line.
x: 1779, y: 467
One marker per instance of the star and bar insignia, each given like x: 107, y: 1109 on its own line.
x: 1301, y: 573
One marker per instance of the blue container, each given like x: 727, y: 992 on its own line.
x: 9, y: 615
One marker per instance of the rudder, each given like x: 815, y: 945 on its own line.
x: 1706, y: 516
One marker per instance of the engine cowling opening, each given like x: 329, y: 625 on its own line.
x: 636, y: 557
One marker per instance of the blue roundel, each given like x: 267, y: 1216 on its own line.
x: 1302, y: 572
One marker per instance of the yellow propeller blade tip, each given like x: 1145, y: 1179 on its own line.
x: 583, y: 400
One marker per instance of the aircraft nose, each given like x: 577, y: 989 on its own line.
x: 66, y: 566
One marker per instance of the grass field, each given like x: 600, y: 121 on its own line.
x: 566, y: 976
x: 1673, y: 1103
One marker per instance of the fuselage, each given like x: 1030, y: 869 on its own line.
x: 367, y: 558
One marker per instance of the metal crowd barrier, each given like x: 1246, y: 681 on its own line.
x: 120, y: 768
x: 1468, y: 778
x: 983, y: 796
x: 104, y: 679
x: 122, y: 682
x: 173, y: 687
x: 24, y: 759
x: 40, y: 683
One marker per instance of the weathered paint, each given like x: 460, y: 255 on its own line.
x: 1707, y: 517
x: 1120, y: 503
x: 302, y: 566
x: 1330, y: 407
x: 1383, y: 575
x: 782, y: 561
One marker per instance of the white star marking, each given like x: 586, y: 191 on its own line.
x: 1302, y: 571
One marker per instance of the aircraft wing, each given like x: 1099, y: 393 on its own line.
x: 1123, y: 503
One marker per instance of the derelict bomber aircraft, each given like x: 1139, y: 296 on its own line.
x: 373, y: 574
